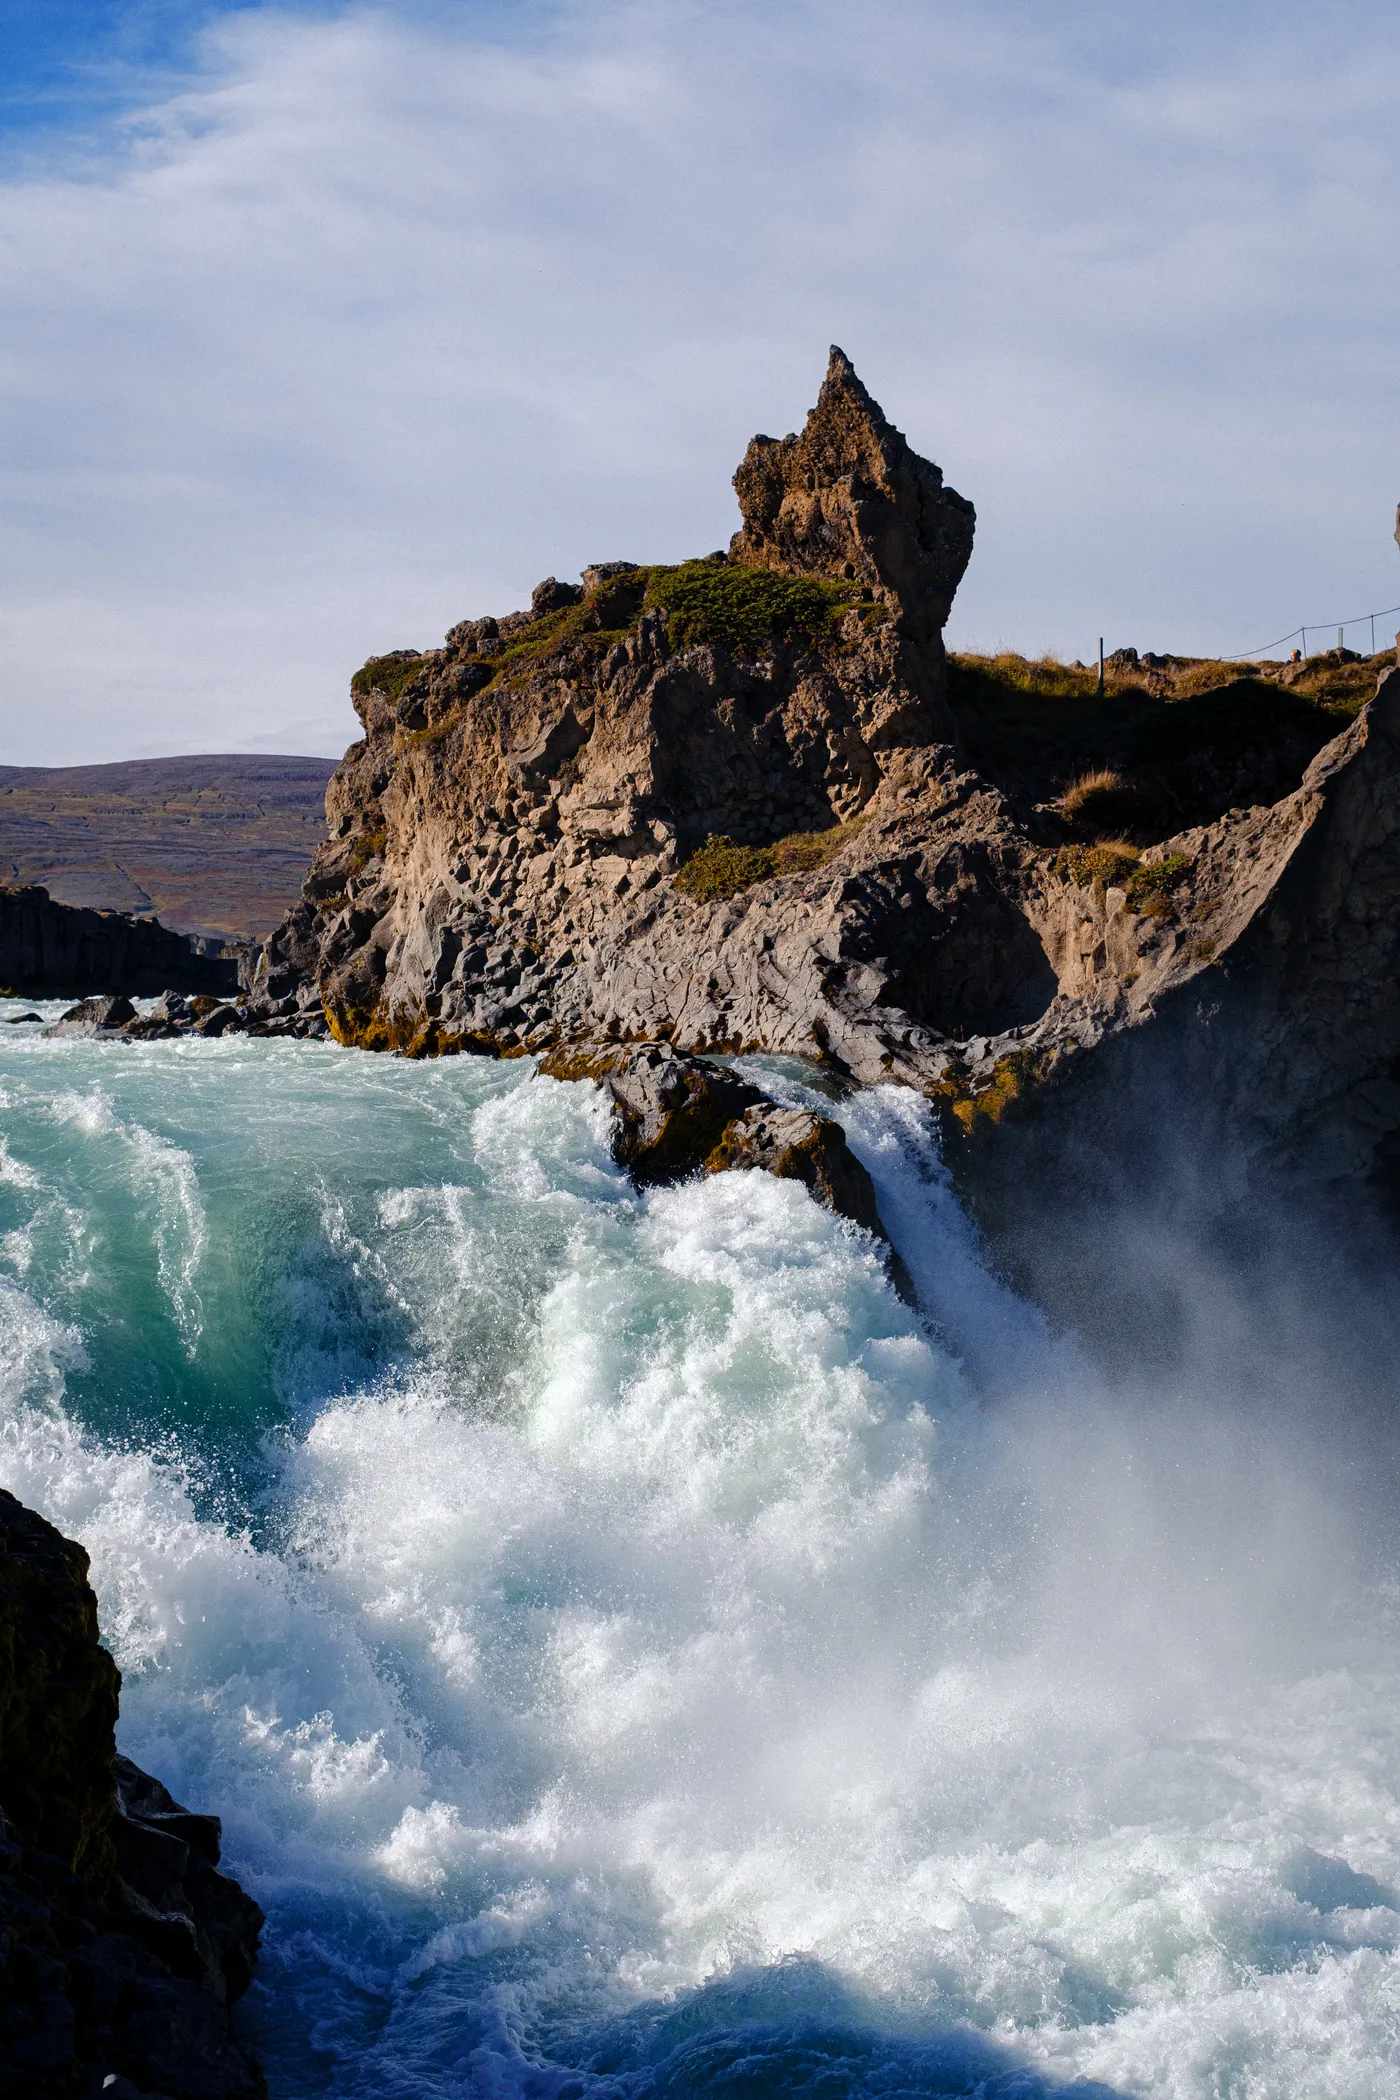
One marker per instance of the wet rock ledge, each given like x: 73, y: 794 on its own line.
x: 122, y: 1944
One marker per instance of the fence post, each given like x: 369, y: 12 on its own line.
x: 1100, y: 667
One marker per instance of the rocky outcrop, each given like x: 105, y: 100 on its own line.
x: 850, y: 497
x: 794, y: 1145
x: 63, y: 948
x: 677, y: 1116
x: 103, y: 1014
x: 122, y: 1945
x: 1249, y: 1042
x: 509, y: 845
x: 744, y: 803
x: 104, y: 1019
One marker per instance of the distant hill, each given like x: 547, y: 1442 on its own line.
x: 211, y: 845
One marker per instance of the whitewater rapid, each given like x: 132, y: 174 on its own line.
x: 634, y: 1651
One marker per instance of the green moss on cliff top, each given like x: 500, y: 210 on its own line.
x: 743, y: 607
x: 726, y: 603
x: 387, y: 674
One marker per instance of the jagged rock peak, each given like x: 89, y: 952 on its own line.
x: 851, y: 498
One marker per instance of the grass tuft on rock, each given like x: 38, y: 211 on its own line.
x: 369, y: 845
x: 1108, y: 862
x: 387, y: 674
x: 720, y: 869
x: 743, y: 607
x: 1151, y: 883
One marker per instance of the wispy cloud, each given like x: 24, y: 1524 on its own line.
x: 383, y: 315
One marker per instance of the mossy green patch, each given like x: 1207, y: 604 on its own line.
x: 1011, y: 1078
x: 1110, y: 861
x: 369, y: 845
x: 743, y: 607
x: 387, y: 674
x: 725, y: 603
x: 1151, y: 883
x: 721, y: 869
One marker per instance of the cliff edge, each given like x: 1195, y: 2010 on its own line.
x: 745, y: 802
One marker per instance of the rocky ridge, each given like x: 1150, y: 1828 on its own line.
x: 122, y: 1944
x: 745, y: 802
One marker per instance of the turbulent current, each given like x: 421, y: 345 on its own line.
x: 635, y: 1652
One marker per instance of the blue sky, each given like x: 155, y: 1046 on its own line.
x: 326, y: 326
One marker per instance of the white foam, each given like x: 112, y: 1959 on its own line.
x: 716, y: 1621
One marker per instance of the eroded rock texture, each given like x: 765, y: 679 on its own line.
x: 850, y: 497
x: 122, y: 1945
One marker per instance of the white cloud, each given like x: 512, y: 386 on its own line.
x: 386, y: 316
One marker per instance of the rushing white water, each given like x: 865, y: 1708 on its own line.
x: 635, y: 1653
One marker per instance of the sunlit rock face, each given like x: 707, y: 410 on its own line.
x: 850, y: 497
x: 745, y: 803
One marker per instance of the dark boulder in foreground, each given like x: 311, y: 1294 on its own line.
x: 122, y: 1945
x: 64, y: 948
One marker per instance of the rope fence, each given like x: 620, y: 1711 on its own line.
x: 1316, y: 627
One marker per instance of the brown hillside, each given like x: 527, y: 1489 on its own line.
x: 210, y: 845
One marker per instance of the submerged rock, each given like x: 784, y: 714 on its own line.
x: 678, y: 1116
x: 122, y: 1945
x: 795, y: 1145
x: 97, y: 1016
x: 671, y: 1111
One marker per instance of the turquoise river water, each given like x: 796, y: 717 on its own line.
x: 634, y: 1653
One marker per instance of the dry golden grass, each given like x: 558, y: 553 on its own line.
x: 1078, y: 799
x: 1108, y: 861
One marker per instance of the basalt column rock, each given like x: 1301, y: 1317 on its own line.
x: 65, y: 948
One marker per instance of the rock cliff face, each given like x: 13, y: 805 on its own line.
x: 850, y: 498
x: 48, y: 947
x: 507, y: 861
x: 740, y: 803
x: 121, y: 1943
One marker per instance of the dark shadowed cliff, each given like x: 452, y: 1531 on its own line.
x: 122, y: 1945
